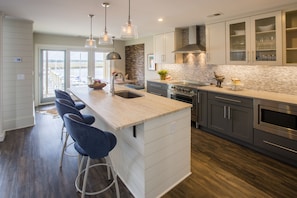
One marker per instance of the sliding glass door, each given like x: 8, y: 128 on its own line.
x: 52, y: 74
x: 61, y: 69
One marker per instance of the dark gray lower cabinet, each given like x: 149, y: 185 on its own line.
x: 279, y: 147
x: 157, y: 88
x: 202, y: 108
x: 231, y: 116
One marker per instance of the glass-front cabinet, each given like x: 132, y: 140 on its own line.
x: 255, y: 40
x: 291, y: 37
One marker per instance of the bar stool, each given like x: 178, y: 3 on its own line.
x: 77, y: 104
x: 92, y: 143
x: 65, y: 106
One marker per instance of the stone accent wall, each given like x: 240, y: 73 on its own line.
x: 135, y: 63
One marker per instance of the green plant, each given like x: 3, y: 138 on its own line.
x: 162, y: 72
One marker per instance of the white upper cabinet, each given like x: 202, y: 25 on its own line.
x: 255, y: 40
x: 164, y: 45
x: 216, y: 43
x: 290, y: 37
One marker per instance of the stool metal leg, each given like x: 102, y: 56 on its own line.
x: 85, y: 178
x: 63, y: 150
x: 114, y: 175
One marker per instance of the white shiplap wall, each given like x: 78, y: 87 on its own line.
x: 17, y: 87
x: 2, y: 133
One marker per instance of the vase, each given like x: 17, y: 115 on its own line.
x: 162, y: 77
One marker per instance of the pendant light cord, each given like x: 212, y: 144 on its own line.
x: 91, y: 36
x: 129, y: 20
x: 105, y: 31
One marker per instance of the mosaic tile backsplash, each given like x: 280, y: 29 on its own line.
x: 279, y: 79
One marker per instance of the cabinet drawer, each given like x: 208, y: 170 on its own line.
x: 157, y: 85
x: 283, y: 147
x: 246, y: 102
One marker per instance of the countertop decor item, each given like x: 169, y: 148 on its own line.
x: 97, y: 84
x: 219, y: 79
x: 163, y: 73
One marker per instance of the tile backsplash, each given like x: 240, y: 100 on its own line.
x: 279, y: 79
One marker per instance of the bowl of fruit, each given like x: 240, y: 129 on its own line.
x: 97, y: 84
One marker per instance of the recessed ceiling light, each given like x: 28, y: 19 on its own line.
x: 160, y: 19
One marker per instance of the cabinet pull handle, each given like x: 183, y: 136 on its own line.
x: 224, y: 111
x: 229, y: 113
x: 198, y: 98
x: 248, y: 56
x: 227, y: 99
x: 279, y: 146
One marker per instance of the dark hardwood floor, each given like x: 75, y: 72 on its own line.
x: 29, y: 167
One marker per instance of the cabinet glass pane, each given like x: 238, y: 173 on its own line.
x: 265, y: 39
x: 237, y: 42
x: 291, y: 37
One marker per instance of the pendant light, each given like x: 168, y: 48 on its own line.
x: 113, y: 55
x: 105, y: 38
x: 129, y: 31
x: 90, y: 42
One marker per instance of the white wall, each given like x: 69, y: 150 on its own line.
x: 17, y: 87
x: 2, y: 133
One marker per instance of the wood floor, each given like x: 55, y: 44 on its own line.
x: 29, y: 167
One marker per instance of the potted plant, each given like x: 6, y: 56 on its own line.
x: 163, y: 73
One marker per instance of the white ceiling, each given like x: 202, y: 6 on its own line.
x: 70, y: 17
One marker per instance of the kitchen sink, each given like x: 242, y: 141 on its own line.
x: 127, y: 94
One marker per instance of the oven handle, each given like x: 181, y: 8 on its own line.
x: 182, y: 100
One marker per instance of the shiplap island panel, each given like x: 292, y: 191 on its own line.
x: 153, y: 152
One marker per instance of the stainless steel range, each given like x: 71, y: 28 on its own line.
x: 187, y: 91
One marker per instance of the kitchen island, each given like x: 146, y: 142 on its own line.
x: 153, y: 152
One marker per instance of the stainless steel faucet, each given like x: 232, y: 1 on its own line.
x: 113, y: 79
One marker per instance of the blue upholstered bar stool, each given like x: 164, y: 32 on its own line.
x: 77, y: 104
x: 65, y: 106
x: 92, y: 143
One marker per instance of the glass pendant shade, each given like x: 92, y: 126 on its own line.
x: 90, y: 42
x: 129, y: 31
x: 105, y: 38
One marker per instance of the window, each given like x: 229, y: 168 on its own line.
x: 78, y: 68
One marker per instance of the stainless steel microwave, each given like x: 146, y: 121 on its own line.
x: 276, y: 117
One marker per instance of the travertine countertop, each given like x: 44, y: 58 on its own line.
x: 287, y: 98
x: 120, y: 112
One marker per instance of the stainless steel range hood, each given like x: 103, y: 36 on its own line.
x: 194, y: 45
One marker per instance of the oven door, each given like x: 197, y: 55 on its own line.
x: 191, y: 99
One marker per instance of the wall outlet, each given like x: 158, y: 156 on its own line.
x: 21, y: 77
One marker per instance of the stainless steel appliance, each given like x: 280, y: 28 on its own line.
x: 275, y: 117
x: 186, y: 91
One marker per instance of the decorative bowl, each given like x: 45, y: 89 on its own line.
x: 97, y: 85
x: 239, y: 32
x: 266, y: 27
